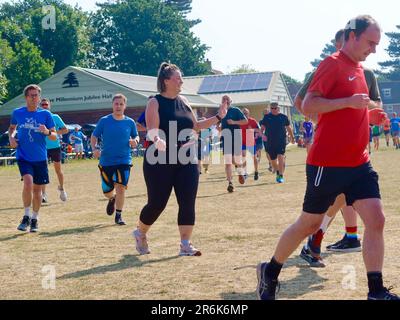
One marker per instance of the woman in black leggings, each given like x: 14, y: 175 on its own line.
x: 166, y: 164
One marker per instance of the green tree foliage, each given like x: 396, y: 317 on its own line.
x: 290, y: 80
x: 244, y: 68
x: 328, y: 50
x: 135, y: 36
x: 391, y: 68
x: 68, y: 44
x: 6, y: 56
x: 27, y: 66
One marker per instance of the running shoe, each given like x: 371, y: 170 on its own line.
x: 345, y: 245
x: 141, y: 242
x: 385, y: 294
x: 266, y: 287
x: 34, y: 225
x: 313, y: 261
x: 111, y: 206
x: 26, y: 221
x: 189, y: 250
x: 230, y: 187
x: 63, y: 194
x: 118, y: 220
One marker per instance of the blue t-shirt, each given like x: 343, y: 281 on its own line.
x: 308, y: 129
x: 31, y: 142
x: 77, y: 137
x: 394, y: 123
x: 115, y: 135
x: 142, y: 119
x: 59, y: 124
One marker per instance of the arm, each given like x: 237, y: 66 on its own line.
x: 11, y: 136
x: 50, y: 133
x: 290, y: 131
x: 62, y: 131
x: 93, y: 143
x: 207, y: 123
x: 315, y: 103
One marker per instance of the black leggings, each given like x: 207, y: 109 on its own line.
x: 160, y: 179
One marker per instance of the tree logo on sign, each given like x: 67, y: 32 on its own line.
x: 70, y: 81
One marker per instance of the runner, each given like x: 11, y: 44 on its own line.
x: 119, y: 135
x: 167, y: 115
x: 277, y: 124
x: 249, y: 131
x: 338, y: 162
x: 33, y: 125
x: 54, y: 152
x: 231, y: 137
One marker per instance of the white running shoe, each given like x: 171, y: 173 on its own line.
x: 141, y: 242
x: 63, y: 194
x: 44, y: 197
x: 189, y: 250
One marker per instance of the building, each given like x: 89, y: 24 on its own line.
x: 390, y: 95
x: 82, y: 96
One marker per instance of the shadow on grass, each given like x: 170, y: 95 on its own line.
x: 213, y: 195
x: 74, y: 231
x: 127, y: 262
x: 11, y: 209
x: 15, y: 236
x: 307, y: 280
x: 127, y: 197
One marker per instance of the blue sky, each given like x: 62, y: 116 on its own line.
x: 282, y: 35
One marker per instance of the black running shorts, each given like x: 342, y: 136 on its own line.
x: 325, y: 184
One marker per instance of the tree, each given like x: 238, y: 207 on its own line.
x: 71, y: 80
x: 290, y: 80
x: 244, y: 68
x: 135, y: 36
x: 68, y: 44
x: 6, y: 56
x: 27, y: 66
x: 329, y: 49
x: 184, y: 7
x: 391, y: 68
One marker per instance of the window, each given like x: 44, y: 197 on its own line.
x: 389, y: 108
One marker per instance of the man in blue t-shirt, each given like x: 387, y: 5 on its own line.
x: 395, y: 129
x: 119, y: 135
x: 33, y: 126
x: 54, y: 152
x: 77, y: 137
x: 231, y: 137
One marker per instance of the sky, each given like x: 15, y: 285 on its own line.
x: 280, y: 35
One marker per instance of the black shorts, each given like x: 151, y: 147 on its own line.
x: 274, y: 151
x: 37, y: 169
x: 54, y: 154
x: 114, y: 174
x: 325, y: 184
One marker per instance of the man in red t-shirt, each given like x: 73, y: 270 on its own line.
x: 338, y: 161
x: 249, y: 131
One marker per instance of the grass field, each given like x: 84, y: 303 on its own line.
x: 95, y: 259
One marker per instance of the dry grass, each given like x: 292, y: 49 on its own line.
x: 94, y: 259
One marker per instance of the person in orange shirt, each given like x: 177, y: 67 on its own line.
x: 386, y: 131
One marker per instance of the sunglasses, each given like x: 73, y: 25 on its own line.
x: 274, y: 108
x: 45, y: 104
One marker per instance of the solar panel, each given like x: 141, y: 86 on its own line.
x: 235, y: 83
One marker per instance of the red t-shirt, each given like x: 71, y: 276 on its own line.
x: 248, y: 132
x: 342, y: 136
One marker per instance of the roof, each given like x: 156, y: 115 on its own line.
x: 76, y: 89
x: 394, y: 97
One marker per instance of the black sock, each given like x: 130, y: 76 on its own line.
x: 375, y: 282
x: 277, y: 173
x: 273, y: 269
x: 118, y: 212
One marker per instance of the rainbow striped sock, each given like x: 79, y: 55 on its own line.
x: 351, y: 232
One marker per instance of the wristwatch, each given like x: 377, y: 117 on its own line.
x: 218, y: 117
